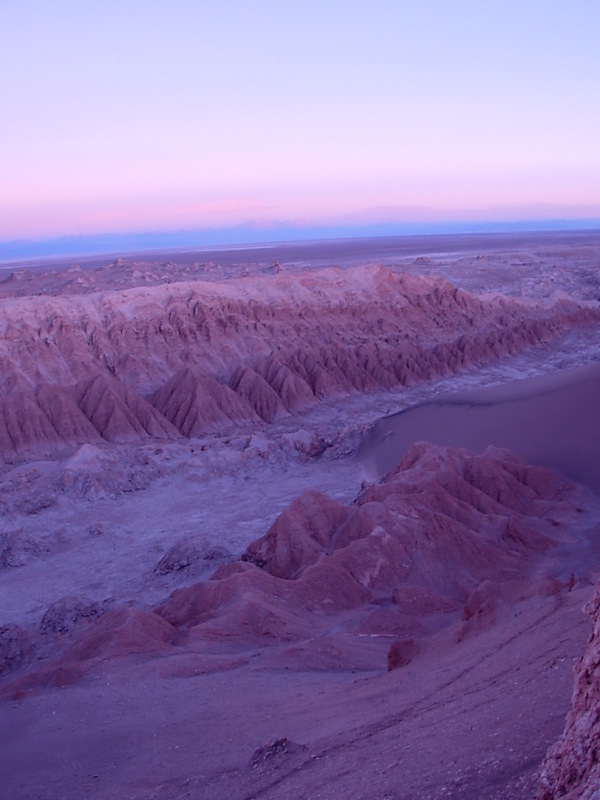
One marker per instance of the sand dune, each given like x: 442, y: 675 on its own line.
x: 551, y: 421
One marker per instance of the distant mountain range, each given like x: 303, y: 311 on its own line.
x: 252, y: 234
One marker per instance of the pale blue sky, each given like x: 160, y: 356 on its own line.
x: 126, y: 116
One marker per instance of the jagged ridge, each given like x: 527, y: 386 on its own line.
x: 440, y: 533
x: 444, y: 522
x: 209, y: 356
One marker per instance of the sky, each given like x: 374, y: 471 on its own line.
x: 126, y: 116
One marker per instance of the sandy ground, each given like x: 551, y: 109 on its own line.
x: 463, y: 720
x: 551, y: 421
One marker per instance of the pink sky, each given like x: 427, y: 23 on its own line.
x: 143, y: 117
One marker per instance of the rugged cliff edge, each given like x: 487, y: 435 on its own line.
x: 571, y: 769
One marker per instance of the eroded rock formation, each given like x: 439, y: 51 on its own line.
x: 188, y: 358
x: 446, y: 530
x: 571, y: 769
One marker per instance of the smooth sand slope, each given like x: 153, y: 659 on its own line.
x: 553, y: 421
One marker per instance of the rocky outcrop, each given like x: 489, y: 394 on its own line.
x: 299, y: 536
x: 64, y: 614
x: 401, y: 653
x: 196, y: 403
x: 294, y: 391
x: 262, y: 397
x: 118, y: 413
x: 98, y: 408
x: 41, y: 420
x: 422, y: 540
x: 571, y: 769
x: 446, y: 530
x: 181, y: 555
x: 209, y: 356
x: 16, y: 648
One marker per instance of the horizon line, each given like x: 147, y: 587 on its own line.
x: 251, y: 234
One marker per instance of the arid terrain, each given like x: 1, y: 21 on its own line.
x: 307, y: 521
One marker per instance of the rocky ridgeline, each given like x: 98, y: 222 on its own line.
x: 447, y: 531
x: 571, y: 769
x: 191, y: 358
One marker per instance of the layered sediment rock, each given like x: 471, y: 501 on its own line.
x: 421, y: 541
x: 189, y: 358
x: 571, y: 769
x: 196, y: 403
x: 445, y: 530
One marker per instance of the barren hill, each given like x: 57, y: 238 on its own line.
x: 212, y: 356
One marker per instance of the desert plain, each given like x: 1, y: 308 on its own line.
x: 302, y: 521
